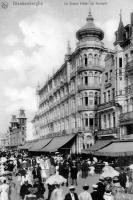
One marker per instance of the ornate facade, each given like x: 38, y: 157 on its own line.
x: 68, y: 100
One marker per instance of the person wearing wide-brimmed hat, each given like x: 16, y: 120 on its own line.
x: 74, y: 172
x: 85, y: 195
x: 101, y: 187
x: 72, y: 195
x: 94, y: 193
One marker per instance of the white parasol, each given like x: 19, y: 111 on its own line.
x: 131, y: 166
x: 109, y: 171
x: 56, y: 179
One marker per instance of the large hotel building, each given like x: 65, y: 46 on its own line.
x: 86, y: 95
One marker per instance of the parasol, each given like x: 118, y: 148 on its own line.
x: 131, y: 166
x: 109, y: 171
x: 56, y: 179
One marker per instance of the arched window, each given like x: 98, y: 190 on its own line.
x: 85, y: 78
x: 80, y: 60
x: 90, y: 58
x: 91, y: 120
x: 96, y: 58
x: 85, y: 60
x: 96, y: 98
x: 86, y: 120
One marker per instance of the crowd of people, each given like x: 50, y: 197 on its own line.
x: 25, y: 177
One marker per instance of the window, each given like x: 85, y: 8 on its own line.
x: 113, y: 93
x: 106, y: 77
x: 113, y: 119
x: 110, y: 74
x: 109, y: 95
x: 109, y: 120
x: 120, y: 62
x: 86, y: 101
x: 85, y: 57
x: 91, y: 123
x: 104, y: 121
x: 96, y: 98
x: 86, y: 80
x: 104, y: 97
x: 86, y: 121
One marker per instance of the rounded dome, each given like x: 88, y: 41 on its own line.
x: 89, y: 29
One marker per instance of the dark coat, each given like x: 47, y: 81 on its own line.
x: 40, y: 190
x: 68, y: 196
x: 37, y: 173
x: 94, y: 195
x: 123, y: 179
x: 74, y: 171
x: 100, y: 190
x: 24, y: 190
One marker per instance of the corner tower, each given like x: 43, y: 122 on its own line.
x: 89, y: 56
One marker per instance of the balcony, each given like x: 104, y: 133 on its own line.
x: 126, y: 117
x: 85, y: 129
x: 129, y: 67
x: 86, y: 108
x: 89, y: 87
x: 92, y: 67
x: 107, y: 105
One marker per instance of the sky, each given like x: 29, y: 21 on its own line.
x: 33, y: 42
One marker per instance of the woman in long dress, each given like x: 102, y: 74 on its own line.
x: 4, y: 191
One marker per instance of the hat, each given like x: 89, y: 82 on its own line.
x: 85, y: 187
x: 94, y: 186
x: 72, y: 187
x: 101, y: 178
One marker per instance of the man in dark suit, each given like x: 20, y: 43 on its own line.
x: 37, y: 172
x: 72, y: 195
x: 101, y: 188
x: 94, y: 194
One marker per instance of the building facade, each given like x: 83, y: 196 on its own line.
x: 17, y: 129
x: 115, y: 110
x: 68, y: 100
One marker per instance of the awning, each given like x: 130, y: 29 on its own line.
x: 57, y: 143
x: 27, y: 145
x: 40, y: 144
x: 115, y: 149
x: 98, y: 145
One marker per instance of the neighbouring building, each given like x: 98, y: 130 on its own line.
x: 68, y: 100
x: 17, y: 129
x: 115, y: 112
x: 126, y: 45
x: 108, y: 109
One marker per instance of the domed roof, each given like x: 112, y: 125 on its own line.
x: 89, y: 29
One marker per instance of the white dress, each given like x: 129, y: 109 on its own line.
x: 4, y: 188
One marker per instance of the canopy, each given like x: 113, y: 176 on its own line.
x: 40, y: 144
x: 98, y: 145
x: 115, y: 149
x: 25, y: 146
x: 28, y: 145
x: 57, y: 142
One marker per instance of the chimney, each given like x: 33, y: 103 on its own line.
x: 132, y: 19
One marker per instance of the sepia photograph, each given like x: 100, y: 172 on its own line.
x: 66, y: 100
